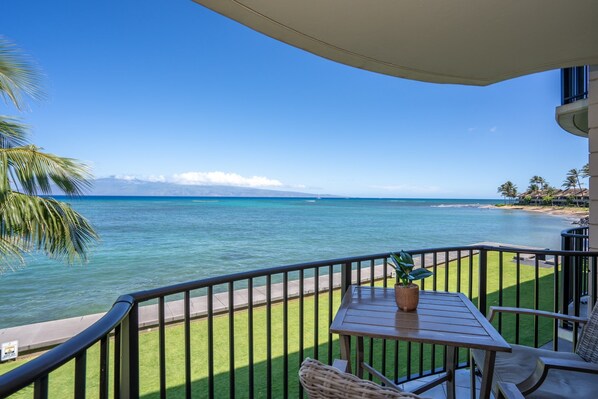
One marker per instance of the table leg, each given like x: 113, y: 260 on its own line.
x: 346, y: 350
x: 451, y: 365
x: 488, y: 368
x: 472, y: 376
x: 359, y: 360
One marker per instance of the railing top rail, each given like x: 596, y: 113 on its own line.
x: 41, y: 366
x: 579, y: 232
x: 146, y: 295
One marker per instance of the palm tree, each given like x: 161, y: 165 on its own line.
x: 29, y: 221
x: 511, y: 190
x: 575, y: 176
x: 538, y: 181
x: 549, y: 193
x: 507, y: 190
x: 569, y: 182
x: 585, y: 171
x: 533, y: 187
x: 503, y: 192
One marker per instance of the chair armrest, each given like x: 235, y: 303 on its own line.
x: 507, y: 390
x: 533, y: 312
x: 545, y: 364
x: 570, y: 365
x: 340, y: 365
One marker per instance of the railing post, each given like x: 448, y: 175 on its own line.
x: 129, y: 364
x: 565, y: 277
x: 592, y: 281
x: 345, y: 277
x: 483, y: 281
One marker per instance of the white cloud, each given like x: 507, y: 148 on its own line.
x: 126, y: 177
x: 156, y: 178
x: 493, y: 129
x: 210, y: 178
x: 223, y: 178
x: 151, y: 178
x: 471, y: 129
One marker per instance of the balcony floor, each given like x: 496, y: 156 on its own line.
x: 462, y: 390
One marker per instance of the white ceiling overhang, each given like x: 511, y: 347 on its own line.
x: 474, y: 42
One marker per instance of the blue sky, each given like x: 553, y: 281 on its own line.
x: 168, y: 90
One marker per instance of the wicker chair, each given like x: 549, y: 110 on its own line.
x: 327, y: 382
x: 540, y: 373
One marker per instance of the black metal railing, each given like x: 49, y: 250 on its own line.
x: 575, y: 270
x: 245, y: 335
x: 574, y: 84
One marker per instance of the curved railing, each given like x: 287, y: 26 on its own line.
x: 36, y: 371
x: 575, y: 271
x: 245, y: 334
x: 575, y: 239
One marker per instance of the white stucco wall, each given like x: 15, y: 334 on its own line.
x: 593, y: 144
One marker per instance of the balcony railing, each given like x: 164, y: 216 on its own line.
x: 575, y: 271
x: 574, y: 84
x: 245, y: 335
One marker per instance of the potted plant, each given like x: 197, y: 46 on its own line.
x: 407, y: 293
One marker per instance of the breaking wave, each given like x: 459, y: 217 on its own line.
x: 457, y: 206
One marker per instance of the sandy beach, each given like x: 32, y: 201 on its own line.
x: 578, y: 213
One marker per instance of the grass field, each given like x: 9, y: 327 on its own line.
x: 542, y: 279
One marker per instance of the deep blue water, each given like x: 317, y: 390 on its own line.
x: 151, y: 242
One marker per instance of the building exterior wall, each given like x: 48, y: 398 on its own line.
x: 593, y: 144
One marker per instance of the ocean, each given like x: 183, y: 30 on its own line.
x: 149, y: 242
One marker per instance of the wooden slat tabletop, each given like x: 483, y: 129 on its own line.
x: 441, y: 318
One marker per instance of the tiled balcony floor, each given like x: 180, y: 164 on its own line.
x: 462, y: 390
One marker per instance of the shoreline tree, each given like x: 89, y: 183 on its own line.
x: 507, y: 190
x: 585, y: 171
x: 538, y: 182
x: 31, y: 220
x: 575, y: 176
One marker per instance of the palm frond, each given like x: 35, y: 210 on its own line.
x: 12, y: 132
x: 17, y: 75
x: 11, y: 255
x: 34, y: 171
x: 45, y: 224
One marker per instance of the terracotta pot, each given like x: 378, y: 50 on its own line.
x: 407, y: 297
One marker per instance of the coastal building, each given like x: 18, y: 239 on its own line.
x: 568, y: 197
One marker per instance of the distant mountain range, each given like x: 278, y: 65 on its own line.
x: 121, y: 187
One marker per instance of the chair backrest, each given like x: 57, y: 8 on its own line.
x: 587, y: 347
x: 326, y: 382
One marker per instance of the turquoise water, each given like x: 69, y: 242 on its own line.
x: 151, y: 242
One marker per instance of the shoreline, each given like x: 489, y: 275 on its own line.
x: 570, y: 212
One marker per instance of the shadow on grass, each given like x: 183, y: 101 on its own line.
x: 401, y: 358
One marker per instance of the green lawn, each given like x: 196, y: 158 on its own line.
x: 61, y: 381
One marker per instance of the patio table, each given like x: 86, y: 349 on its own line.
x: 441, y: 318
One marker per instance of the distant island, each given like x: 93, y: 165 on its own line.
x: 112, y: 186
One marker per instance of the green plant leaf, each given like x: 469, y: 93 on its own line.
x: 406, y: 258
x: 418, y: 274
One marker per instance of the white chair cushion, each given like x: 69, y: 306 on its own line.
x: 516, y: 366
